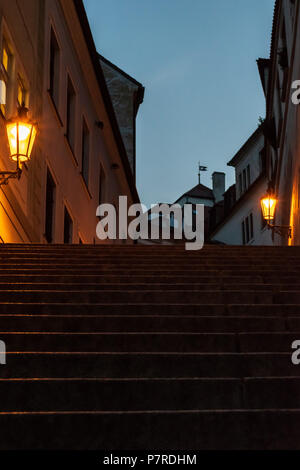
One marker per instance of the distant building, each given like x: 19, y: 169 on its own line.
x: 201, y: 194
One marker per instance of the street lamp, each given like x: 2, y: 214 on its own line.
x: 268, y: 207
x: 21, y: 133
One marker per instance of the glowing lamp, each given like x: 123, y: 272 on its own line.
x: 21, y: 133
x: 268, y: 206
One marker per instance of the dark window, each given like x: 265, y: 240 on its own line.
x: 262, y: 161
x: 240, y: 183
x: 248, y: 229
x: 50, y: 202
x: 244, y: 180
x: 248, y: 176
x: 68, y: 227
x: 54, y: 68
x: 85, y: 153
x: 71, y: 98
x: 251, y: 226
x: 101, y: 186
x: 243, y: 233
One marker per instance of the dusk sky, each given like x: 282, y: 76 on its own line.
x: 203, y: 98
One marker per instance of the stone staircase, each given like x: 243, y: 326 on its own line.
x: 149, y: 347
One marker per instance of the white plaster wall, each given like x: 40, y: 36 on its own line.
x: 231, y: 231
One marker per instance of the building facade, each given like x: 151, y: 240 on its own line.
x: 278, y: 136
x: 50, y: 63
x: 282, y: 125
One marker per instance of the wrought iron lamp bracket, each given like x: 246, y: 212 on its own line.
x: 282, y: 230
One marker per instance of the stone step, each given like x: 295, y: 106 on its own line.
x: 207, y: 273
x: 172, y: 430
x: 125, y: 365
x: 190, y: 279
x: 149, y: 342
x: 41, y: 308
x: 157, y: 297
x: 120, y: 342
x: 148, y: 394
x: 151, y: 323
x: 119, y: 394
x: 155, y: 261
x: 280, y: 392
x: 175, y: 286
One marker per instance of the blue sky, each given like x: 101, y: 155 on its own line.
x: 203, y: 98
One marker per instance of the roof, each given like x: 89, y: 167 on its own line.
x: 234, y: 161
x: 140, y: 92
x: 83, y: 20
x: 199, y: 191
x: 115, y: 67
x: 263, y: 65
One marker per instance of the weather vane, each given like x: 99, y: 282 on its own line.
x: 201, y: 168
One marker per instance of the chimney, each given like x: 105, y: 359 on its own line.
x: 218, y: 185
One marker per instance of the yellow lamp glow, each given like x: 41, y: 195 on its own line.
x: 21, y: 134
x: 268, y: 206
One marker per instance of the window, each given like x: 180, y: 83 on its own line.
x: 248, y: 176
x: 54, y: 69
x: 85, y: 150
x: 244, y: 180
x: 101, y: 186
x: 240, y: 183
x: 68, y: 227
x: 247, y: 229
x: 6, y: 76
x: 50, y: 203
x: 71, y: 98
x: 262, y: 161
x: 243, y: 233
x: 21, y: 96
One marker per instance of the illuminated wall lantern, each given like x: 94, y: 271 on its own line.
x: 21, y: 133
x: 268, y: 207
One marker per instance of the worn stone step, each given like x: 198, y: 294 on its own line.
x: 214, y: 273
x: 175, y: 286
x: 170, y: 323
x: 160, y: 297
x: 190, y: 279
x: 55, y: 308
x: 280, y: 392
x: 119, y: 394
x: 267, y: 342
x: 47, y: 365
x: 153, y: 262
x: 149, y: 342
x: 155, y: 430
x: 120, y: 342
